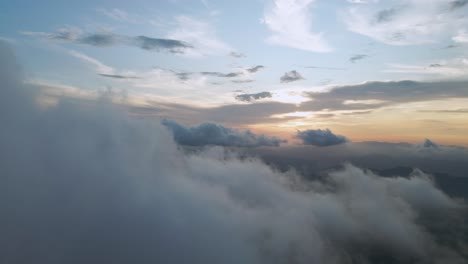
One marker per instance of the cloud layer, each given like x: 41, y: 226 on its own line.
x: 83, y: 182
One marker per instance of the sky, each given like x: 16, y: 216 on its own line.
x: 370, y: 70
x: 282, y: 131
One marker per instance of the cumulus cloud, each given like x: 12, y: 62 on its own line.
x: 408, y: 22
x: 253, y: 97
x: 107, y: 39
x: 83, y: 182
x: 290, y: 24
x: 215, y: 134
x: 319, y: 137
x: 291, y: 76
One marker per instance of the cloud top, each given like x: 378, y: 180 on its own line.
x: 215, y: 134
x: 320, y: 138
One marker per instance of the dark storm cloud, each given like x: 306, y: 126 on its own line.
x: 82, y: 182
x: 291, y: 76
x: 320, y: 138
x: 117, y: 76
x: 108, y: 39
x: 387, y: 93
x: 215, y: 134
x: 358, y: 57
x: 253, y: 97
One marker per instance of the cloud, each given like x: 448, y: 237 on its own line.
x: 373, y: 95
x: 430, y: 144
x: 358, y: 57
x: 290, y: 24
x: 461, y: 36
x: 253, y: 97
x: 255, y: 69
x: 458, y: 4
x: 408, y: 22
x: 291, y: 76
x: 117, y: 14
x: 100, y: 67
x: 108, y: 39
x: 453, y: 68
x: 215, y: 134
x: 320, y: 138
x: 118, y: 76
x: 237, y: 54
x: 243, y: 72
x: 157, y: 44
x: 223, y: 75
x: 83, y: 182
x: 242, y: 81
x: 201, y: 35
x: 99, y: 39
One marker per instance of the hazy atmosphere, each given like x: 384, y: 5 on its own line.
x: 204, y: 131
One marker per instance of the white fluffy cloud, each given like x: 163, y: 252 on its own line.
x: 290, y: 23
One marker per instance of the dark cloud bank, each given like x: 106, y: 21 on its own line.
x: 85, y: 183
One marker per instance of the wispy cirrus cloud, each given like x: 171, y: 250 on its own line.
x: 290, y: 23
x: 408, y: 22
x: 202, y: 35
x: 101, y: 68
x: 454, y: 68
